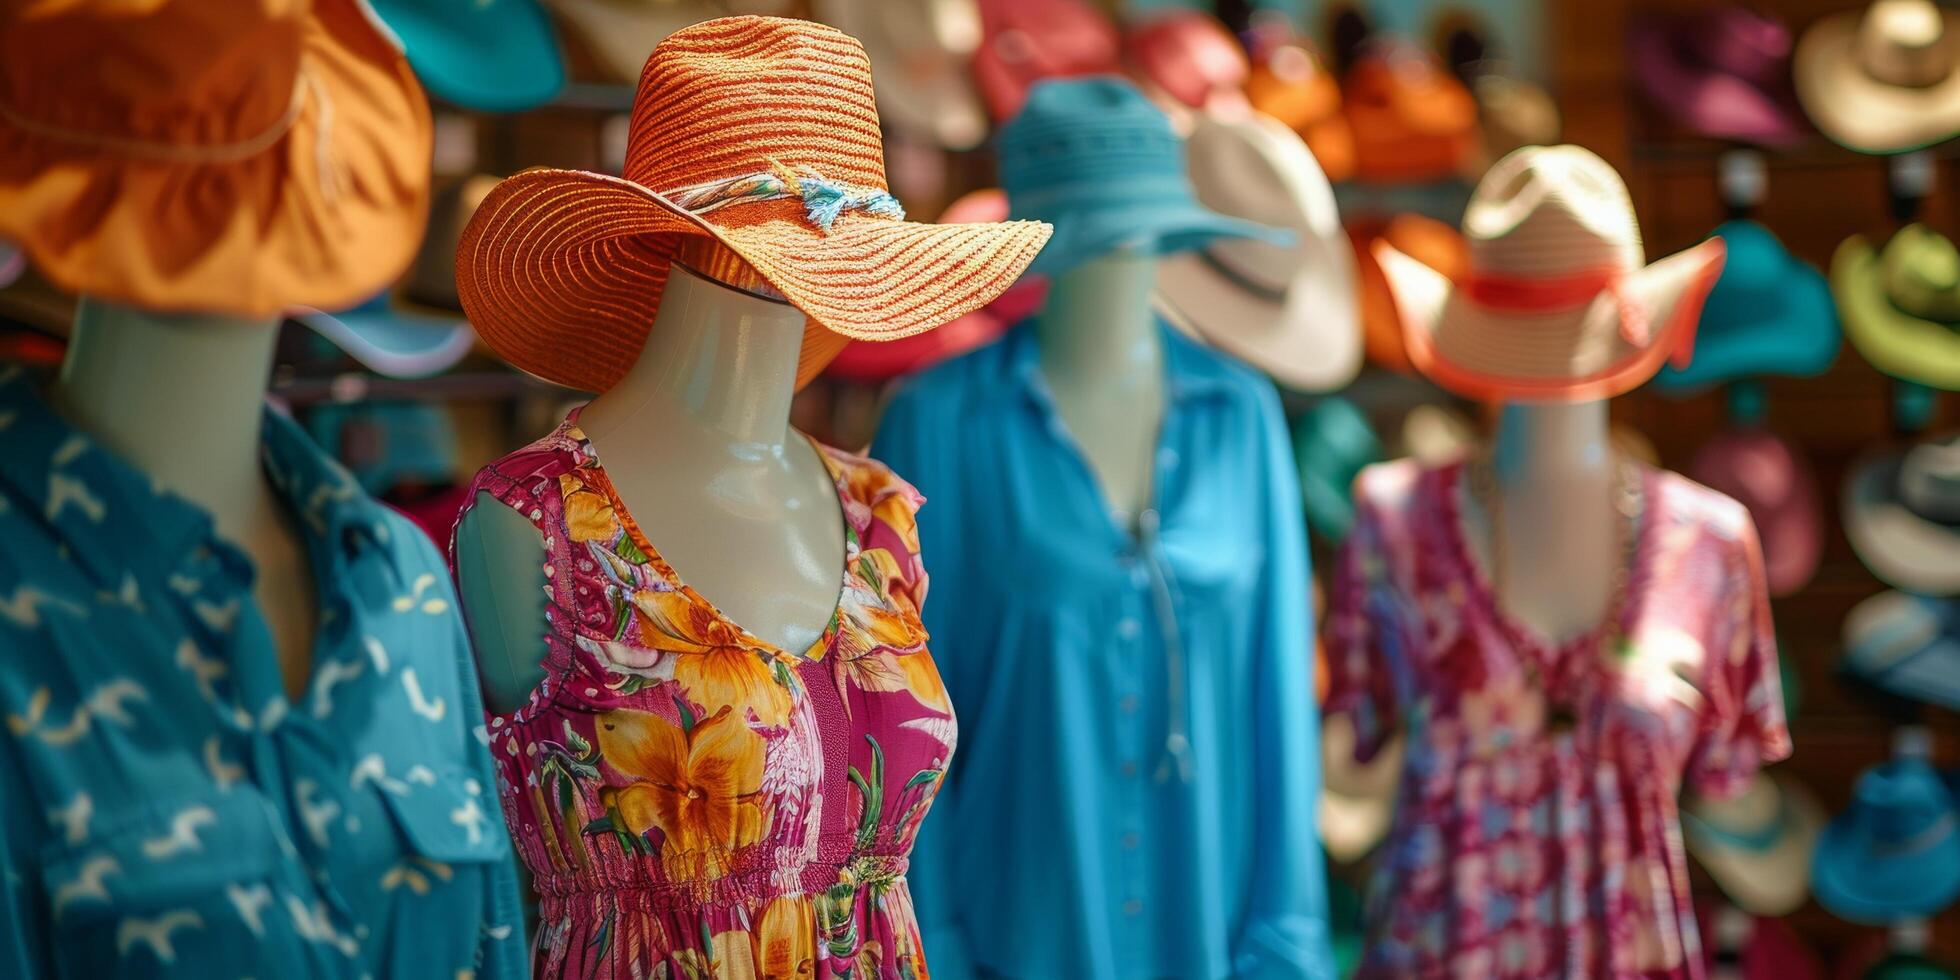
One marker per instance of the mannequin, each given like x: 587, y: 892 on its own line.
x: 180, y: 397
x: 697, y: 441
x: 1555, y: 462
x: 1103, y: 357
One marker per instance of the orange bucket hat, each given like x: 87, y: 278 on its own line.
x: 761, y: 134
x: 235, y: 158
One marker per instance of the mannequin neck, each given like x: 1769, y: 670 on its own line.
x: 179, y: 396
x: 1097, y: 325
x: 718, y: 357
x: 1553, y: 444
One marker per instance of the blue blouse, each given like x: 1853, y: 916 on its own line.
x: 165, y: 811
x: 1138, y: 770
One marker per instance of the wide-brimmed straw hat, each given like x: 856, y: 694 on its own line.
x: 758, y: 132
x: 1902, y: 514
x: 1288, y: 310
x: 1757, y: 844
x: 1885, y: 79
x: 1901, y: 306
x: 1557, y: 304
x: 184, y: 161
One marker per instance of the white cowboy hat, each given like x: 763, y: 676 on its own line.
x: 1885, y: 79
x: 919, y: 51
x: 1289, y: 310
x: 1757, y: 845
x: 1557, y: 304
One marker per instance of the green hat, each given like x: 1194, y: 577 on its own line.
x: 1332, y: 441
x: 1908, y: 966
x: 1901, y: 306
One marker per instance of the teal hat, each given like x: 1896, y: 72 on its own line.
x: 1094, y: 158
x: 1908, y: 966
x: 1332, y: 441
x: 1894, y: 852
x: 487, y: 55
x: 392, y: 341
x: 1770, y: 313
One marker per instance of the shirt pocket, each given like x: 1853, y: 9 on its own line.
x: 184, y: 887
x: 447, y: 887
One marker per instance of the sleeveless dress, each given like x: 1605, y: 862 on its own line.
x: 692, y: 801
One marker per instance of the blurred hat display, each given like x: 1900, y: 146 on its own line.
x: 1883, y: 79
x: 1289, y: 310
x: 1894, y: 852
x: 1905, y: 645
x: 1900, y: 306
x: 1753, y: 947
x: 1765, y: 474
x: 1558, y: 302
x: 1902, y: 514
x: 1025, y: 41
x: 1189, y: 57
x: 1757, y: 845
x: 619, y: 34
x: 1357, y: 800
x: 487, y: 55
x: 1412, y: 121
x: 1719, y: 72
x: 1332, y: 441
x: 919, y: 51
x: 1291, y: 84
x: 1770, y: 313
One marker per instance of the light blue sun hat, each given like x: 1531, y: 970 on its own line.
x: 487, y: 55
x: 1770, y: 313
x: 1094, y: 158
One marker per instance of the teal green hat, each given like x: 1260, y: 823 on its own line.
x: 1094, y: 158
x: 1332, y: 441
x: 1769, y: 314
x: 1894, y: 853
x: 1908, y: 966
x: 487, y: 55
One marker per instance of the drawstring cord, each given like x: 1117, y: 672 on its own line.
x: 1163, y: 595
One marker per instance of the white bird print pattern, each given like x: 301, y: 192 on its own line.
x: 434, y: 605
x: 65, y: 491
x: 127, y: 595
x: 426, y: 707
x: 315, y: 926
x: 317, y: 815
x: 183, y: 836
x: 205, y: 671
x: 87, y: 885
x: 376, y: 653
x: 223, y: 773
x: 411, y: 873
x: 155, y: 933
x: 250, y: 901
x: 73, y: 819
x: 373, y: 769
x: 332, y: 674
x: 105, y: 702
x: 23, y: 608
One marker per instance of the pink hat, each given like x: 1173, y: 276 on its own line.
x: 1765, y: 474
x: 1026, y: 41
x: 1189, y: 56
x: 1721, y: 73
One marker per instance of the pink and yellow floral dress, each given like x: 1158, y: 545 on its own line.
x: 692, y: 801
x: 1536, y: 832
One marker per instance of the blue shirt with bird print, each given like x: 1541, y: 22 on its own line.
x: 165, y: 809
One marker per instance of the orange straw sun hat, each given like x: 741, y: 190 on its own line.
x: 1557, y: 303
x: 758, y: 132
x: 197, y: 157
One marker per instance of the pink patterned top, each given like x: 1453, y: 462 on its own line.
x: 1536, y: 833
x: 692, y: 801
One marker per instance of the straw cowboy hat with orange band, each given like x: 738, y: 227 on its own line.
x: 1558, y: 303
x: 756, y: 133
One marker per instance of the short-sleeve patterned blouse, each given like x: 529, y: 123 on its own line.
x: 692, y: 801
x: 1537, y: 833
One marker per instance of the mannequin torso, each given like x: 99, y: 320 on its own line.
x: 181, y: 398
x: 1104, y: 362
x: 697, y: 443
x: 1555, y: 474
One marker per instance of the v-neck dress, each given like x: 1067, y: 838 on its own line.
x: 165, y: 809
x: 1537, y: 832
x: 691, y: 800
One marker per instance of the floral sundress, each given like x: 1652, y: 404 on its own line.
x: 1536, y: 832
x: 691, y: 800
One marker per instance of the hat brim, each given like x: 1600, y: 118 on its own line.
x: 507, y: 62
x: 1568, y: 355
x: 1904, y: 346
x: 1769, y: 881
x: 1798, y: 339
x: 1904, y: 550
x: 252, y: 237
x: 561, y: 271
x: 1160, y: 229
x: 1860, y: 112
x: 394, y: 342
